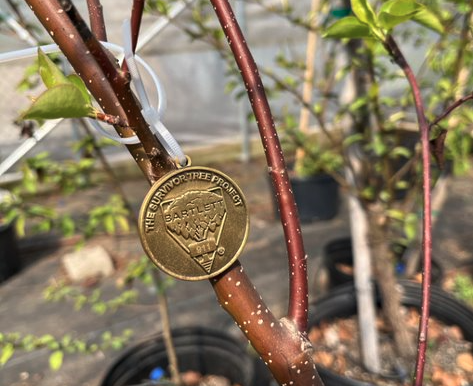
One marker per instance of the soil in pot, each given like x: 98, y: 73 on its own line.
x: 337, y: 353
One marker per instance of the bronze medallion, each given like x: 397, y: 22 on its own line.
x: 194, y: 223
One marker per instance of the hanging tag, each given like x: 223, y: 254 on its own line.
x: 194, y: 223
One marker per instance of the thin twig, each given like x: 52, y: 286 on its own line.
x: 450, y: 109
x: 298, y: 96
x: 109, y: 170
x: 166, y: 325
x: 298, y: 291
x: 400, y: 60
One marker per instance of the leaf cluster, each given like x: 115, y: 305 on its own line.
x: 110, y: 217
x: 94, y: 300
x: 366, y: 23
x: 463, y: 288
x: 42, y: 172
x: 11, y: 342
x: 65, y: 97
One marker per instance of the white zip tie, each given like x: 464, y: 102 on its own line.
x: 151, y: 114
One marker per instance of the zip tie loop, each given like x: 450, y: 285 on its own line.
x: 152, y: 116
x: 53, y: 48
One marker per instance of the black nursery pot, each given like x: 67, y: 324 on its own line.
x: 207, y: 351
x: 317, y: 197
x: 10, y: 263
x: 341, y: 303
x: 338, y: 253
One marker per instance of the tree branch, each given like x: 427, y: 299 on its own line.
x: 298, y: 292
x: 136, y: 17
x: 450, y: 109
x: 97, y: 22
x: 400, y: 60
x: 286, y: 351
x: 107, y: 83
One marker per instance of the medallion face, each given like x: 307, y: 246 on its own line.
x: 194, y: 223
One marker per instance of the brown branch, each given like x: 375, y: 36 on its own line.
x: 450, y: 109
x: 107, y: 83
x: 298, y: 295
x: 136, y: 17
x: 97, y: 22
x: 400, y: 60
x: 286, y: 351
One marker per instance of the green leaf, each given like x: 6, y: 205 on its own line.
x: 400, y: 7
x: 378, y: 146
x: 410, y: 226
x: 396, y: 214
x: 384, y: 195
x: 109, y: 224
x: 348, y: 27
x: 55, y: 360
x: 428, y: 19
x: 99, y: 308
x: 351, y: 139
x: 123, y: 223
x: 7, y: 353
x: 62, y: 101
x: 49, y: 72
x: 20, y: 225
x: 79, y: 83
x: 394, y: 12
x: 400, y: 151
x: 364, y: 12
x: 67, y: 226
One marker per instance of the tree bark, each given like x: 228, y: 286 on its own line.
x: 383, y: 261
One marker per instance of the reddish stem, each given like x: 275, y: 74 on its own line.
x: 450, y: 109
x: 298, y: 288
x: 400, y: 60
x: 97, y: 23
x: 286, y: 352
x: 136, y: 17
